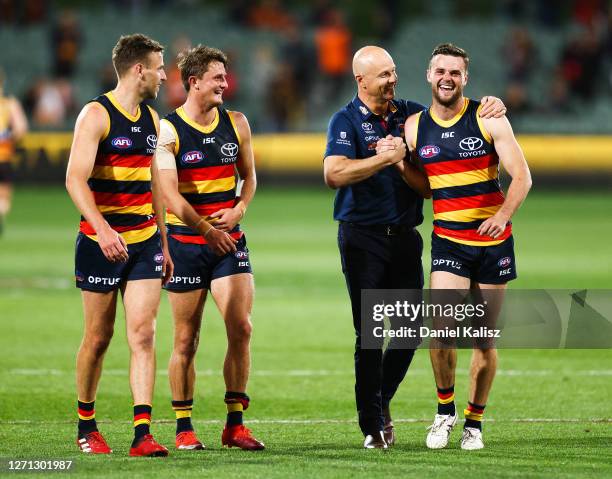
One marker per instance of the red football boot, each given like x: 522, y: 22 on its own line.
x: 148, y: 447
x: 240, y: 436
x: 93, y: 443
x: 188, y: 441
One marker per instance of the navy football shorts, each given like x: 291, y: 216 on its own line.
x: 195, y: 265
x: 6, y: 172
x: 482, y: 264
x: 94, y: 272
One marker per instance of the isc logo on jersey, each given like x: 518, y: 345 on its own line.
x: 429, y: 151
x: 192, y: 157
x: 121, y: 142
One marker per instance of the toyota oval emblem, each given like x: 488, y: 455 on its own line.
x: 470, y: 144
x: 229, y: 149
x: 152, y: 141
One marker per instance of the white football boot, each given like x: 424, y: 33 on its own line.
x: 440, y: 430
x: 471, y: 439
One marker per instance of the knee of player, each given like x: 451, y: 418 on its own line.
x: 98, y: 343
x: 186, y: 346
x: 142, y: 337
x: 488, y: 355
x: 241, y: 331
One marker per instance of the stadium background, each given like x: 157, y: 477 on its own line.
x: 551, y: 62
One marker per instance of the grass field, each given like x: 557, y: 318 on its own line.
x: 549, y: 414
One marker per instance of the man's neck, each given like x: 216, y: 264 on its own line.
x: 378, y: 107
x: 128, y: 97
x: 201, y: 114
x: 447, y: 112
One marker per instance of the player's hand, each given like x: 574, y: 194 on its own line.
x: 227, y: 218
x: 492, y: 107
x: 167, y: 266
x: 385, y: 144
x: 113, y: 246
x: 220, y: 242
x: 493, y: 226
x: 397, y: 152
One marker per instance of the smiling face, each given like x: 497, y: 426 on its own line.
x: 211, y: 85
x: 153, y: 75
x: 375, y: 74
x: 448, y: 76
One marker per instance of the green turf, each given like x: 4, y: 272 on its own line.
x: 302, y: 356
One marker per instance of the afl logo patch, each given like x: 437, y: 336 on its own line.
x: 470, y: 144
x: 429, y: 151
x: 121, y: 142
x: 229, y: 149
x: 504, y: 262
x: 152, y: 141
x: 159, y: 258
x: 192, y: 156
x: 241, y: 254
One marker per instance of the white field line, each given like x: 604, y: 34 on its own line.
x: 319, y: 372
x: 325, y: 421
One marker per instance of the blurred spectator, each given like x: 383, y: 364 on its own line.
x: 108, y: 78
x: 520, y: 55
x: 28, y: 12
x: 175, y: 93
x: 297, y: 54
x: 232, y: 76
x: 581, y: 62
x: 283, y: 105
x: 559, y: 101
x: 333, y: 41
x: 319, y: 12
x: 51, y: 102
x: 516, y: 99
x: 238, y: 11
x: 66, y: 42
x: 263, y: 69
x: 269, y: 15
x: 588, y: 12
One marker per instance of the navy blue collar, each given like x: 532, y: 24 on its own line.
x: 365, y: 112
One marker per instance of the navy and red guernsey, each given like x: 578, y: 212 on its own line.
x: 463, y: 170
x: 206, y: 168
x: 121, y: 177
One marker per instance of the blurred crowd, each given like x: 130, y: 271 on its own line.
x: 282, y: 77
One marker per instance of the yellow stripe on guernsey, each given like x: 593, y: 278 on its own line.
x: 233, y: 122
x: 143, y: 210
x: 121, y: 173
x: 172, y: 219
x: 465, y: 178
x: 134, y: 236
x: 208, y: 186
x: 483, y: 130
x: 469, y: 214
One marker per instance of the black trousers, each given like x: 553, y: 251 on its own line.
x: 373, y: 259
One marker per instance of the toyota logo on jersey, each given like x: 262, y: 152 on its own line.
x: 470, y: 144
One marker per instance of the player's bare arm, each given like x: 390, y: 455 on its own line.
x: 512, y: 159
x: 341, y: 171
x: 219, y: 241
x: 18, y: 119
x: 228, y: 218
x: 492, y: 107
x: 158, y: 209
x: 90, y: 128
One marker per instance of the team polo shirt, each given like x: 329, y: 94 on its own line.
x: 383, y: 198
